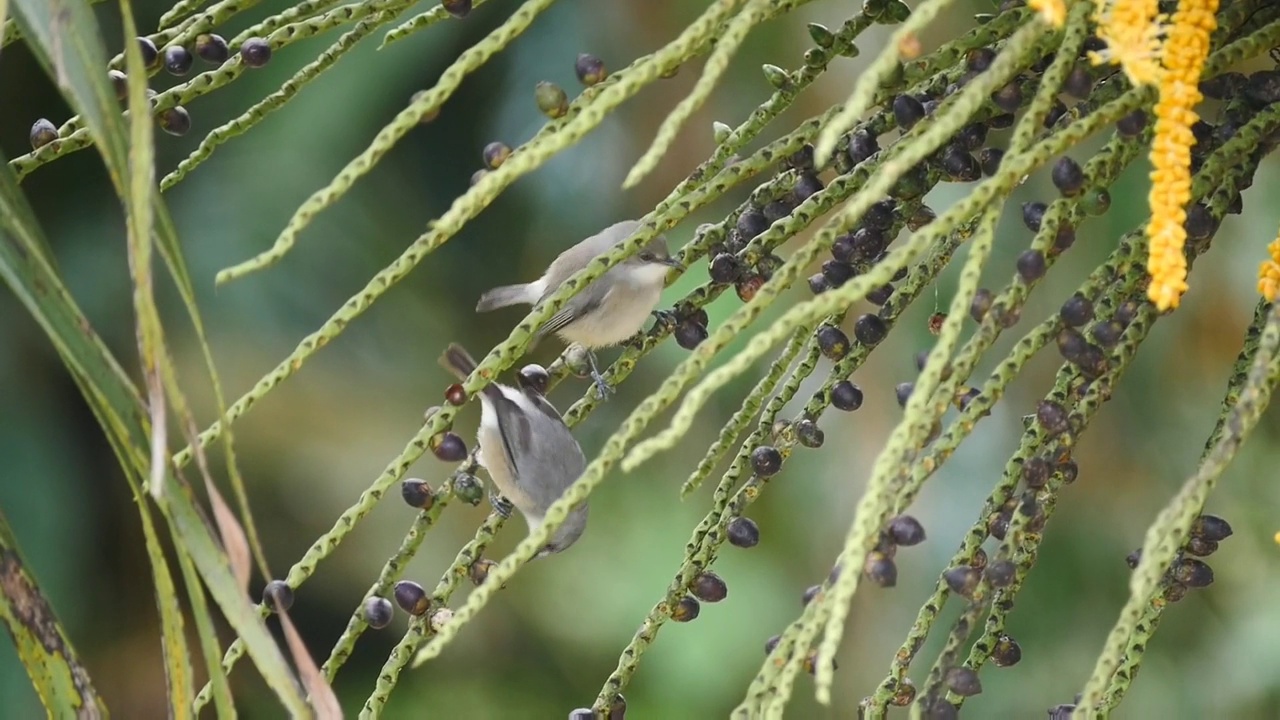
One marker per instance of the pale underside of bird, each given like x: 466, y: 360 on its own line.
x: 611, y: 309
x: 528, y: 451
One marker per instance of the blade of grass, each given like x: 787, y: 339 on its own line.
x: 234, y: 540
x: 234, y: 534
x: 120, y: 411
x: 43, y: 647
x: 69, y: 45
x: 179, y: 674
x: 77, y: 65
x: 211, y: 561
x: 143, y: 200
x: 209, y: 646
x: 139, y: 219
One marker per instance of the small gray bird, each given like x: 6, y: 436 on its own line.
x: 612, y: 308
x: 528, y: 451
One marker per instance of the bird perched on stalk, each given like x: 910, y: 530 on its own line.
x: 527, y: 450
x: 612, y: 308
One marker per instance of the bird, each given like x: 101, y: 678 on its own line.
x: 528, y: 451
x: 612, y: 308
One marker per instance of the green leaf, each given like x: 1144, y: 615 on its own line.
x: 120, y: 410
x: 209, y: 646
x: 143, y: 204
x: 68, y: 42
x: 177, y: 655
x: 139, y: 219
x: 43, y: 647
x: 193, y: 532
x: 25, y: 268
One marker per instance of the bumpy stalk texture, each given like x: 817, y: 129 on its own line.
x: 802, y: 194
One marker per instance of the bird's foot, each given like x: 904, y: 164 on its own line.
x: 597, y: 377
x: 666, y: 319
x: 602, y: 387
x: 502, y: 505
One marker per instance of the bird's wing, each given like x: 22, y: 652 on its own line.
x: 581, y: 304
x: 559, y: 456
x: 517, y: 433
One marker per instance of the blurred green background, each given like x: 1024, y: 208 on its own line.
x: 547, y: 642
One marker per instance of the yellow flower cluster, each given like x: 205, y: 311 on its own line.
x: 1054, y: 12
x: 1182, y: 59
x: 1269, y: 273
x: 1169, y: 53
x: 1131, y: 29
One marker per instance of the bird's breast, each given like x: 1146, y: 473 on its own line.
x: 493, y: 457
x: 620, y: 315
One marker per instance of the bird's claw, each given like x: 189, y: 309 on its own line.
x: 602, y: 387
x: 665, y: 318
x: 500, y: 504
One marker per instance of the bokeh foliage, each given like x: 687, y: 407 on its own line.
x: 547, y: 641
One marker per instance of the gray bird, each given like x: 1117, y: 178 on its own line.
x: 527, y: 450
x: 610, y: 310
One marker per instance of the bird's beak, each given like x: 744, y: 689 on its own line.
x: 673, y: 263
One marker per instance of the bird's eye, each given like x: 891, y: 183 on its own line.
x: 646, y: 256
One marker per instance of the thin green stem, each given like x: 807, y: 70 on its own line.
x: 470, y: 61
x: 1137, y: 643
x: 874, y: 76
x: 727, y: 44
x: 291, y: 87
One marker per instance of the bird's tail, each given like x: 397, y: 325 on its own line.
x: 501, y: 297
x: 458, y: 361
